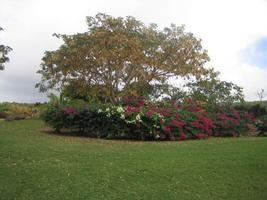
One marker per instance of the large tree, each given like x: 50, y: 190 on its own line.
x: 118, y: 57
x: 3, y: 54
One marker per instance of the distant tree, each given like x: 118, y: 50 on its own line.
x: 118, y: 57
x: 3, y: 54
x: 216, y: 92
x: 261, y: 94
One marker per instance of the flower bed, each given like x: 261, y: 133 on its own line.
x: 135, y: 119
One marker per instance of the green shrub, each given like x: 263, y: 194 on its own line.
x: 3, y: 107
x: 18, y: 111
x: 255, y: 108
x: 3, y: 115
x: 261, y: 124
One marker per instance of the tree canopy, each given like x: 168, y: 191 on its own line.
x: 216, y: 92
x: 3, y: 54
x: 122, y: 56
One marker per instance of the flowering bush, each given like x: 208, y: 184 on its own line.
x: 232, y: 122
x: 261, y: 125
x: 135, y: 119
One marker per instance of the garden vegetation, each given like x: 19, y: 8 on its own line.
x: 124, y: 73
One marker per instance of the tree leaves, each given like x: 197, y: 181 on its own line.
x: 3, y: 54
x: 118, y: 57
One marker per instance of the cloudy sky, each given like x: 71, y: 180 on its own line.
x: 233, y: 31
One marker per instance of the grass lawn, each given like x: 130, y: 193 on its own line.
x: 36, y: 165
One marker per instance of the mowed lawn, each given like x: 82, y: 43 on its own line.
x: 36, y: 165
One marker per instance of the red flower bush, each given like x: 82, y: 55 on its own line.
x: 232, y: 122
x: 69, y: 110
x: 133, y: 101
x: 136, y: 119
x: 180, y: 125
x: 130, y: 110
x: 200, y: 136
x: 183, y: 136
x: 167, y: 129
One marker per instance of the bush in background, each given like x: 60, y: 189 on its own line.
x: 3, y: 115
x: 16, y: 111
x: 256, y: 108
x: 261, y: 124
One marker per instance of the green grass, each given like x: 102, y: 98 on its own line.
x: 36, y: 165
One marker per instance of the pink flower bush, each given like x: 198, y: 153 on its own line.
x: 200, y: 136
x: 69, y: 110
x: 167, y: 129
x: 231, y: 123
x: 140, y: 120
x: 183, y: 136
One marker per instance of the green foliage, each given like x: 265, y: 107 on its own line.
x: 53, y: 117
x: 3, y: 115
x: 3, y: 107
x: 4, y: 50
x: 216, y: 93
x: 261, y: 124
x: 257, y: 109
x: 12, y: 111
x: 16, y: 109
x: 167, y: 92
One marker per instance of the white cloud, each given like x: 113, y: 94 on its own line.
x: 227, y: 27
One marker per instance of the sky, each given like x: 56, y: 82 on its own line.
x: 233, y: 31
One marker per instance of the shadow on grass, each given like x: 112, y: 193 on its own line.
x: 78, y: 134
